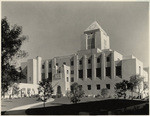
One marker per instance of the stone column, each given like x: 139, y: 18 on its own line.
x: 54, y: 69
x: 93, y: 66
x: 76, y: 63
x: 103, y: 67
x: 46, y: 69
x: 39, y: 69
x: 54, y: 66
x: 113, y: 71
x: 84, y: 67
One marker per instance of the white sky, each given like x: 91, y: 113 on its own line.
x: 55, y: 28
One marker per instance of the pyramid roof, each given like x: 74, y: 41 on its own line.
x: 94, y: 26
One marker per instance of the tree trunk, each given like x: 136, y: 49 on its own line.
x: 44, y: 104
x: 132, y: 94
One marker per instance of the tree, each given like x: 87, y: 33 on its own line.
x: 15, y: 89
x: 76, y: 93
x: 136, y: 81
x: 121, y: 88
x: 11, y: 50
x: 104, y: 92
x: 45, y: 90
x: 145, y: 86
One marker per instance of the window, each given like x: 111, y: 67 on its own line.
x: 98, y: 60
x: 67, y: 79
x: 72, y: 79
x: 98, y: 72
x: 108, y: 71
x: 67, y: 71
x: 72, y: 88
x: 43, y: 75
x: 43, y: 66
x: 59, y: 71
x: 50, y: 76
x: 89, y: 87
x: 80, y: 62
x: 29, y: 78
x: 64, y: 63
x: 56, y: 64
x: 98, y: 86
x: 118, y: 70
x: 108, y: 59
x: 72, y: 72
x: 49, y: 65
x: 89, y: 72
x: 108, y: 86
x: 89, y: 61
x: 81, y: 74
x: 72, y: 63
x: 91, y: 41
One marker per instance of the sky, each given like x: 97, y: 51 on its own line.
x: 56, y: 28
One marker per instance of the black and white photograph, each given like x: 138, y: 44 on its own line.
x: 74, y: 57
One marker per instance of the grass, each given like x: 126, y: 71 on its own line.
x: 63, y: 106
x: 7, y: 104
x: 92, y: 107
x: 65, y: 100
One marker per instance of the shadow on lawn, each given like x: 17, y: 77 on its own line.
x: 94, y: 108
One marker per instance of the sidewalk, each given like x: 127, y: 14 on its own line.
x: 25, y: 107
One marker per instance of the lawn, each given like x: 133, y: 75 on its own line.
x: 65, y: 100
x: 92, y: 107
x: 7, y: 104
x: 63, y: 106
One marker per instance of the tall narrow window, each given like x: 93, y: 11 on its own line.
x: 72, y: 79
x: 89, y: 87
x: 72, y: 63
x: 50, y: 76
x: 89, y: 61
x: 91, y: 41
x: 67, y: 71
x: 80, y: 62
x: 118, y: 71
x: 81, y: 74
x: 98, y: 86
x: 89, y: 73
x: 108, y: 71
x: 72, y: 72
x: 49, y: 65
x: 29, y: 78
x: 98, y: 72
x: 108, y: 86
x: 43, y: 75
x: 98, y: 60
x: 108, y: 59
x: 43, y: 66
x: 67, y: 79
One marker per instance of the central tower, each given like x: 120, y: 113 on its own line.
x: 95, y: 37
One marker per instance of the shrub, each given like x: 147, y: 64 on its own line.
x: 104, y: 92
x: 76, y: 93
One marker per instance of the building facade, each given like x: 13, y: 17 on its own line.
x: 94, y: 67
